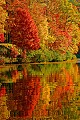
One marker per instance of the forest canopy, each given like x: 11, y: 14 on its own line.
x: 45, y: 30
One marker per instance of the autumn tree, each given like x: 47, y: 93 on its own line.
x: 22, y: 28
x: 72, y: 20
x: 38, y: 12
x: 62, y: 16
x: 57, y: 24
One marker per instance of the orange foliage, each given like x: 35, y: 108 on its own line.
x: 61, y: 91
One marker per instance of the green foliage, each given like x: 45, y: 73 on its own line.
x: 71, y: 111
x: 47, y: 55
x: 40, y: 55
x: 58, y: 56
x: 69, y: 55
x: 75, y: 2
x: 44, y: 69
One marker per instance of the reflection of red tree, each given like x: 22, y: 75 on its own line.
x: 2, y: 91
x: 61, y: 91
x: 25, y: 95
x: 15, y: 75
x: 1, y: 37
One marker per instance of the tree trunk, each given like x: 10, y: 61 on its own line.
x: 24, y: 55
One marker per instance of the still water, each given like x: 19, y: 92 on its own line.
x: 40, y: 92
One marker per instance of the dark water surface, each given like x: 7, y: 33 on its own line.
x: 40, y: 92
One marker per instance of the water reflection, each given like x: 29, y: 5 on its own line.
x: 40, y: 92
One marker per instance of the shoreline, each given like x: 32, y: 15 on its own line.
x: 13, y: 64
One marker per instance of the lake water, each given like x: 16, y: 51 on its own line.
x: 40, y: 92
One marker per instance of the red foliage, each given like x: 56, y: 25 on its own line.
x: 2, y: 91
x: 13, y: 53
x: 24, y: 32
x: 60, y: 29
x: 1, y: 37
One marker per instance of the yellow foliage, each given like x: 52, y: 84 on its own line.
x: 4, y: 113
x: 76, y: 33
x: 3, y: 16
x: 2, y: 2
x: 36, y: 10
x: 73, y: 47
x: 46, y: 94
x: 51, y: 38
